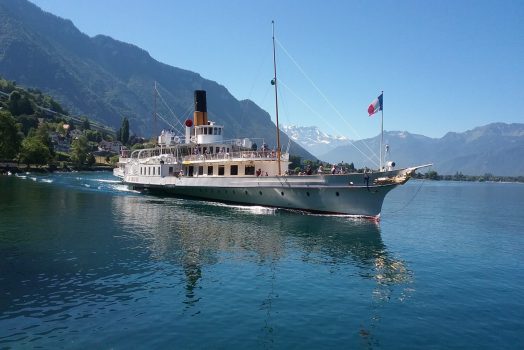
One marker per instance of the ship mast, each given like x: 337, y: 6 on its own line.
x: 274, y: 82
x: 153, y: 133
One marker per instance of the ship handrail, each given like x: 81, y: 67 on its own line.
x: 236, y: 156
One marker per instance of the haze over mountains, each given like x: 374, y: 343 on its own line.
x: 496, y: 148
x: 106, y: 79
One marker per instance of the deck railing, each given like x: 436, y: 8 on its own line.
x: 243, y: 155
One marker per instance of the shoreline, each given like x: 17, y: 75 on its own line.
x: 15, y: 169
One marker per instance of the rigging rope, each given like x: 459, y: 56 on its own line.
x: 165, y: 121
x: 169, y: 108
x: 325, y: 121
x: 411, y: 200
x: 325, y: 98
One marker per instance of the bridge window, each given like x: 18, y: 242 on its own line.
x: 234, y: 170
x: 249, y: 170
x: 200, y: 170
x: 220, y: 170
x: 210, y: 170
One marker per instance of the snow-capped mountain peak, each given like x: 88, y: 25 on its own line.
x: 313, y: 139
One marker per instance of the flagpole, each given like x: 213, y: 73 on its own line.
x: 381, y: 127
x: 276, y: 99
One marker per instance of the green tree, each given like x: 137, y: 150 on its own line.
x: 34, y: 151
x: 295, y: 161
x: 94, y: 135
x: 19, y: 104
x: 113, y: 160
x: 85, y: 124
x: 432, y: 175
x: 43, y: 134
x: 27, y: 122
x: 60, y: 128
x: 124, y: 131
x: 91, y: 160
x: 79, y: 150
x: 9, y: 137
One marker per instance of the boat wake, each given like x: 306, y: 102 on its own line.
x: 344, y: 216
x: 252, y: 209
x: 109, y: 181
x: 121, y: 188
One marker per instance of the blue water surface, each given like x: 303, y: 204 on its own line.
x: 86, y: 263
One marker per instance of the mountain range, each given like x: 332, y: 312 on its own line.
x: 106, y: 79
x: 496, y: 148
x: 313, y: 139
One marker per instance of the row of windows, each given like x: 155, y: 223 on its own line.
x: 208, y: 130
x: 150, y: 170
x: 233, y: 170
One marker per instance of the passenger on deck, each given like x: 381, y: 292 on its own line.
x: 259, y: 172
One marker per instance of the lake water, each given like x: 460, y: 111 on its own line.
x: 85, y: 264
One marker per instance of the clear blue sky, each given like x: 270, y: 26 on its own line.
x: 443, y: 65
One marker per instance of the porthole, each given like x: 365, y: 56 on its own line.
x: 307, y: 194
x: 260, y: 192
x: 338, y: 194
x: 282, y: 193
x: 246, y: 192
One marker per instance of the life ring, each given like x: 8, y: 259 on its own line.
x: 176, y: 139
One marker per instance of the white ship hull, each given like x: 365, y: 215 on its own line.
x: 347, y: 194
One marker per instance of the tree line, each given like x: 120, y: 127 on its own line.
x: 458, y: 176
x: 28, y: 118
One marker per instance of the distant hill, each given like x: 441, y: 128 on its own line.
x: 495, y: 148
x: 313, y: 139
x: 106, y: 79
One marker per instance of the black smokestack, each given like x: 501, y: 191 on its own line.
x: 200, y: 114
x: 200, y: 101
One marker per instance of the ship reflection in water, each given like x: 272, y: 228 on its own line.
x: 197, y: 236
